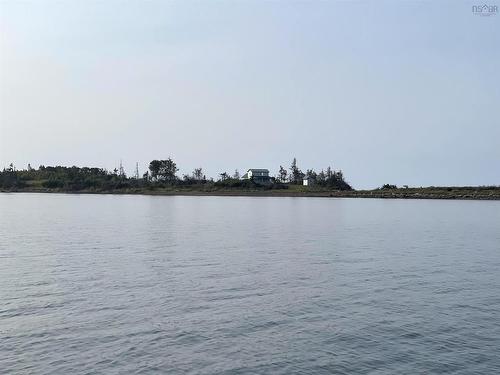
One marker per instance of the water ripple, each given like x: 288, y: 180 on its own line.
x: 205, y: 285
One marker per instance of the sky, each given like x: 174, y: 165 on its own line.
x: 393, y: 92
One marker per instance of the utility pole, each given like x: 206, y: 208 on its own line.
x: 136, y: 171
x: 122, y: 171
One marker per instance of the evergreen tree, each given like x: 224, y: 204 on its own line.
x: 282, y: 174
x: 296, y: 174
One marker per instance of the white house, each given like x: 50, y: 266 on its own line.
x: 257, y: 175
x: 308, y: 181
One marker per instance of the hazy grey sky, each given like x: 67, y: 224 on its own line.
x: 389, y: 92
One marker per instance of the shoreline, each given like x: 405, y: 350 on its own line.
x: 447, y: 193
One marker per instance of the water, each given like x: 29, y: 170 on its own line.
x: 239, y: 285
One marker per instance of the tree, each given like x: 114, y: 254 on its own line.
x: 321, y: 177
x: 198, y: 174
x: 282, y: 174
x: 154, y: 168
x: 296, y: 174
x: 332, y: 179
x: 310, y: 174
x: 236, y: 175
x: 168, y: 170
x: 224, y: 176
x: 164, y: 170
x: 329, y: 173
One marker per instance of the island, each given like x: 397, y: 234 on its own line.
x: 161, y: 179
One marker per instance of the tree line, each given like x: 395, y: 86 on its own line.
x: 159, y: 173
x: 328, y: 178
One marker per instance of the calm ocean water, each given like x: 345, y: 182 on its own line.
x: 240, y: 285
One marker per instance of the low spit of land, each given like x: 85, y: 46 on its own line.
x: 480, y: 192
x: 161, y: 179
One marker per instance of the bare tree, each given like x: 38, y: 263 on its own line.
x: 198, y: 174
x: 282, y: 174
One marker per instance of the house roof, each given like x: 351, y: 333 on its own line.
x: 258, y: 170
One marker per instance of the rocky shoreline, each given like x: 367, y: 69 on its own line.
x: 459, y: 193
